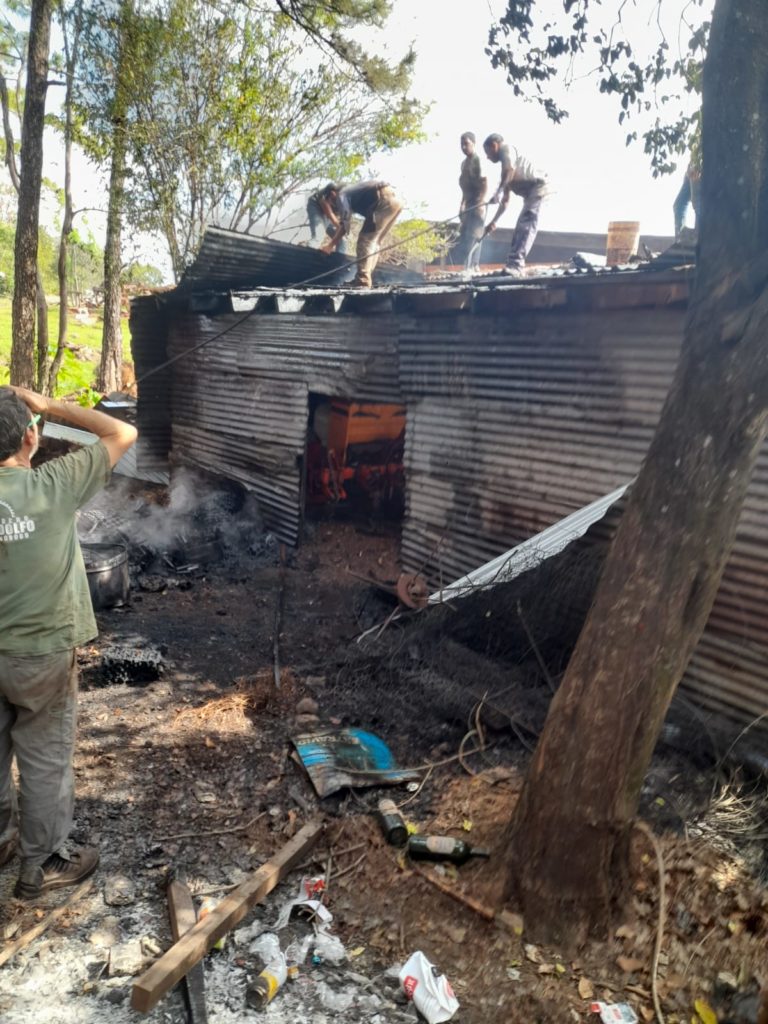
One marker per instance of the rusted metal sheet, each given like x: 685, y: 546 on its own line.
x: 516, y: 422
x: 149, y: 346
x: 241, y: 401
x: 231, y: 259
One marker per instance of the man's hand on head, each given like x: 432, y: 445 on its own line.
x: 34, y: 402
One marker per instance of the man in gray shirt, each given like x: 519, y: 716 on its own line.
x: 519, y: 176
x: 473, y: 187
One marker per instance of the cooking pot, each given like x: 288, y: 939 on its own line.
x: 106, y: 566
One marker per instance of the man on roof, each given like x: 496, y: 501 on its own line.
x: 473, y: 185
x: 377, y: 204
x: 518, y: 176
x: 320, y: 215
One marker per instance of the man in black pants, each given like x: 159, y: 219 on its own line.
x: 519, y: 176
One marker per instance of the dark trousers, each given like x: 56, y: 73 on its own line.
x: 527, y: 227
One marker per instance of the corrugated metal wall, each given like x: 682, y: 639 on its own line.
x: 241, y: 402
x: 149, y: 345
x: 516, y: 421
x: 523, y: 406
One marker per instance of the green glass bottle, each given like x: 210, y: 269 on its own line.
x: 392, y: 823
x: 443, y: 848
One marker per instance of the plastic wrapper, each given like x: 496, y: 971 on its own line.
x: 430, y: 990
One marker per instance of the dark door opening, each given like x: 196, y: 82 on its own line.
x: 354, y: 463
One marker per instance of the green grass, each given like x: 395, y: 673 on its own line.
x: 76, y: 374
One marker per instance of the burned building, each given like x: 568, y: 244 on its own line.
x: 522, y: 403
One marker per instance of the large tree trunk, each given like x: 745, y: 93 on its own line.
x: 569, y: 837
x: 25, y: 251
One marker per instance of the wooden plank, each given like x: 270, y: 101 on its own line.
x: 13, y: 948
x: 192, y: 947
x: 181, y: 910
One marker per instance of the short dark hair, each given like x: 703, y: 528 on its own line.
x: 14, y: 417
x: 332, y: 186
x: 469, y: 135
x: 494, y: 138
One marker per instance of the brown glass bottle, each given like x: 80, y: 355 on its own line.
x: 392, y: 823
x: 443, y: 848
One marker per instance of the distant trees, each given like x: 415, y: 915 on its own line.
x: 202, y: 112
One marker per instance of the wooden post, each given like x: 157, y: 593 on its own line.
x: 192, y: 947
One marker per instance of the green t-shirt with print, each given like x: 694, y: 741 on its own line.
x: 45, y: 605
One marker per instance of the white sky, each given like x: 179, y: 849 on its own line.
x: 596, y: 178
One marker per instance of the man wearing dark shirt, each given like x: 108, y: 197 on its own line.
x: 320, y: 215
x: 519, y: 176
x: 472, y: 210
x: 377, y: 204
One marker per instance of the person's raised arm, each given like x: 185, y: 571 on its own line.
x: 116, y: 436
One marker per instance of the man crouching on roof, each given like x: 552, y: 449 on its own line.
x: 377, y: 204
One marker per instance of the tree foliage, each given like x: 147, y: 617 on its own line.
x: 234, y: 106
x: 535, y: 50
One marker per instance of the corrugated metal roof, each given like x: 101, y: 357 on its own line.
x: 531, y: 552
x: 231, y: 259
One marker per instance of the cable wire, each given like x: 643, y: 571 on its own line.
x: 299, y: 284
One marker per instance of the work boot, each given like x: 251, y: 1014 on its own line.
x: 68, y: 866
x: 7, y: 849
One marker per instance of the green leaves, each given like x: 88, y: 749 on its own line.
x: 534, y: 51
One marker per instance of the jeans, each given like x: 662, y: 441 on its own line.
x: 38, y: 718
x: 527, y: 226
x: 375, y: 228
x: 472, y: 225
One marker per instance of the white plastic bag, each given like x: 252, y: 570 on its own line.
x: 329, y: 947
x: 430, y: 991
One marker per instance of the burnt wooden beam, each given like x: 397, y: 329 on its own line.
x: 192, y: 947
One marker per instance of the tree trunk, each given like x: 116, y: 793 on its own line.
x: 112, y: 338
x: 25, y: 250
x: 569, y: 837
x: 41, y: 382
x: 70, y: 50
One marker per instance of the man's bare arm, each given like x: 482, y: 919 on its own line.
x: 116, y: 436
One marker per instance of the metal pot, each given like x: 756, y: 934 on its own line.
x: 106, y: 566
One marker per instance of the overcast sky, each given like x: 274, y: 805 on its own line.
x: 595, y: 177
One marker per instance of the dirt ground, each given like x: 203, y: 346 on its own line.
x: 192, y: 772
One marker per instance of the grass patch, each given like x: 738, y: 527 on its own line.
x: 76, y: 373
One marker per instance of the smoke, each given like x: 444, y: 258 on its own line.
x: 194, y: 520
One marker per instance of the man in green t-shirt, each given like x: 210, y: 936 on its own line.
x: 45, y: 613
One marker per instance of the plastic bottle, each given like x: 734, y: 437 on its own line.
x: 266, y: 986
x: 392, y: 823
x: 443, y: 848
x: 207, y: 905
